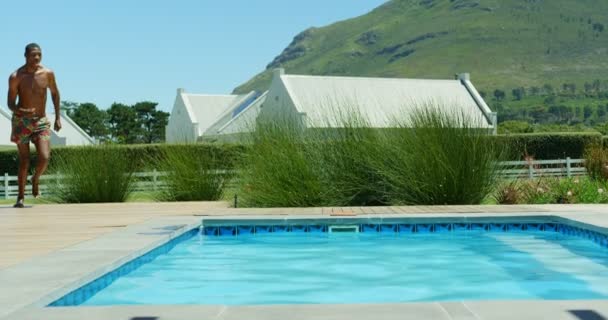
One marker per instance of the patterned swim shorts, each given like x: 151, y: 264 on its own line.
x: 26, y: 129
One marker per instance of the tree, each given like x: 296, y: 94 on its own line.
x: 601, y: 112
x: 548, y: 89
x: 68, y: 106
x: 152, y: 122
x: 518, y: 93
x: 90, y: 119
x: 499, y: 94
x: 123, y: 123
x: 569, y: 88
x: 483, y: 94
x: 587, y: 112
x: 588, y: 88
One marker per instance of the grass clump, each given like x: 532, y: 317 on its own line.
x: 92, y: 175
x: 192, y: 174
x: 438, y: 158
x: 429, y: 158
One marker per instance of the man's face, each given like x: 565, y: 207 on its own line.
x: 33, y: 57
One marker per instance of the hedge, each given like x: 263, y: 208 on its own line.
x: 142, y: 156
x: 548, y: 146
x: 538, y: 145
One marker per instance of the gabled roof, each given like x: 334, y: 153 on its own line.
x: 207, y: 108
x: 244, y: 119
x: 235, y: 111
x: 379, y: 100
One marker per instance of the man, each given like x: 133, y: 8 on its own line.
x: 29, y: 123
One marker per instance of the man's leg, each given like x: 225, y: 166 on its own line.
x: 43, y: 148
x: 24, y: 165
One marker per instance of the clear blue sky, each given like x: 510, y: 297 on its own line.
x: 127, y: 51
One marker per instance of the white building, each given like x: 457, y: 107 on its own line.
x: 5, y: 127
x: 69, y: 135
x: 322, y: 102
x: 198, y: 117
x: 325, y: 101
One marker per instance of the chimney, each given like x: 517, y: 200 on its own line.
x: 180, y: 91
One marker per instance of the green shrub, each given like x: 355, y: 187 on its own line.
x: 554, y: 190
x: 139, y: 155
x: 515, y: 126
x: 280, y: 169
x: 548, y: 145
x: 508, y: 192
x: 437, y: 159
x: 193, y: 174
x: 596, y: 162
x: 441, y: 160
x: 92, y: 175
x: 346, y: 158
x: 537, y: 191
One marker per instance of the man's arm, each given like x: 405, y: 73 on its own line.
x: 13, y: 89
x: 54, y: 92
x: 56, y: 99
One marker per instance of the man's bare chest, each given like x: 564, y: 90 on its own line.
x: 35, y: 83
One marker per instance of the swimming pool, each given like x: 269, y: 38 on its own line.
x: 357, y: 261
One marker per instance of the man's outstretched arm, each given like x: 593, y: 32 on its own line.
x: 13, y: 86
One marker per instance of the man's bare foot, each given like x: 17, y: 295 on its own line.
x: 36, y: 187
x: 19, y: 204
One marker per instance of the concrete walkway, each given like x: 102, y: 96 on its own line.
x: 30, y: 232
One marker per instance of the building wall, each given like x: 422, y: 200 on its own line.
x: 71, y: 133
x: 278, y: 106
x: 5, y: 127
x: 181, y: 127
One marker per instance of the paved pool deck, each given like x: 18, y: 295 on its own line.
x: 49, y: 250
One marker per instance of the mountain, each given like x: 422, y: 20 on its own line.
x: 504, y: 44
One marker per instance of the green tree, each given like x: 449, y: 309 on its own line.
x: 587, y: 112
x: 518, y: 93
x: 122, y: 120
x: 161, y: 119
x: 68, y: 106
x: 90, y: 119
x: 499, y: 95
x: 601, y: 111
x: 151, y: 122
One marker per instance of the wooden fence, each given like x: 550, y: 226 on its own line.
x: 152, y: 181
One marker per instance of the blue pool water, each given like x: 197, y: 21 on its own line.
x: 303, y: 268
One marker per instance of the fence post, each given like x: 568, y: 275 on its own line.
x: 530, y: 170
x: 6, y: 185
x: 154, y: 179
x: 568, y: 167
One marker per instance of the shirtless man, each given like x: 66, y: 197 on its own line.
x: 29, y: 123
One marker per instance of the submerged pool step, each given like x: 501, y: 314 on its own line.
x: 344, y: 229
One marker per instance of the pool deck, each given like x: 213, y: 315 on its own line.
x: 49, y: 250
